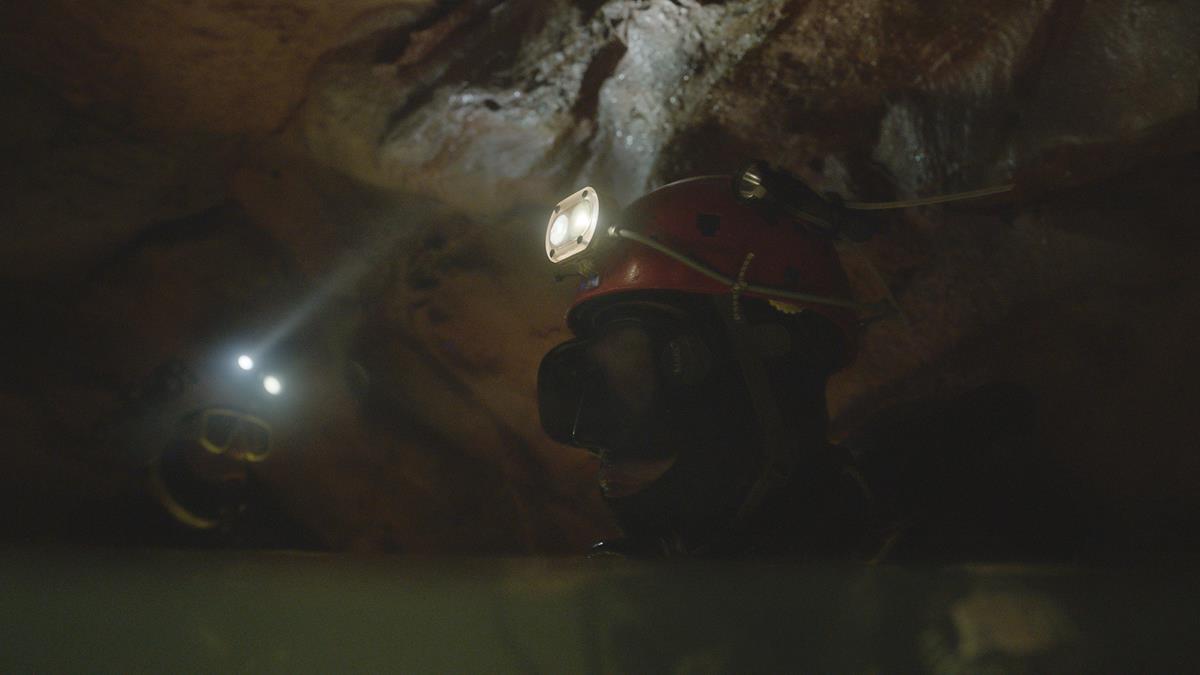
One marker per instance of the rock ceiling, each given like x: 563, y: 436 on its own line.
x: 366, y: 181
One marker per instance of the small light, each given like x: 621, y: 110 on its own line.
x: 245, y: 362
x: 749, y: 183
x: 581, y: 219
x: 558, y: 231
x: 272, y: 385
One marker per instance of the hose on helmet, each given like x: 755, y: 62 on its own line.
x: 768, y: 291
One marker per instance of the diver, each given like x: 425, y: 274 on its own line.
x: 710, y: 315
x: 198, y: 439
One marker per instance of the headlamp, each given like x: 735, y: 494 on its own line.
x: 572, y: 226
x: 272, y: 384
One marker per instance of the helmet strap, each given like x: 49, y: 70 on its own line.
x: 779, y: 439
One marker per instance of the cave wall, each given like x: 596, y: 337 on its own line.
x: 368, y: 180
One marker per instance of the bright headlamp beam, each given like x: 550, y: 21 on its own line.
x: 272, y: 385
x: 245, y: 362
x: 572, y: 226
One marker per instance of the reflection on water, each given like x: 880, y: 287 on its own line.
x: 168, y: 611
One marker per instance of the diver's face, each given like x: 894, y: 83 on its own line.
x: 618, y: 394
x: 623, y: 355
x: 625, y: 358
x: 651, y: 392
x: 660, y: 399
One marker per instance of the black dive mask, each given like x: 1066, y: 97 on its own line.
x: 701, y: 390
x: 646, y: 385
x: 636, y: 388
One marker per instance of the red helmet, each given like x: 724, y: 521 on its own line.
x: 702, y: 218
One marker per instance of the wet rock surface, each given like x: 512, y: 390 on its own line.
x: 365, y: 186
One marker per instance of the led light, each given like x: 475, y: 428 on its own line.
x: 581, y: 218
x: 245, y: 362
x: 272, y: 385
x: 559, y: 230
x: 572, y: 226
